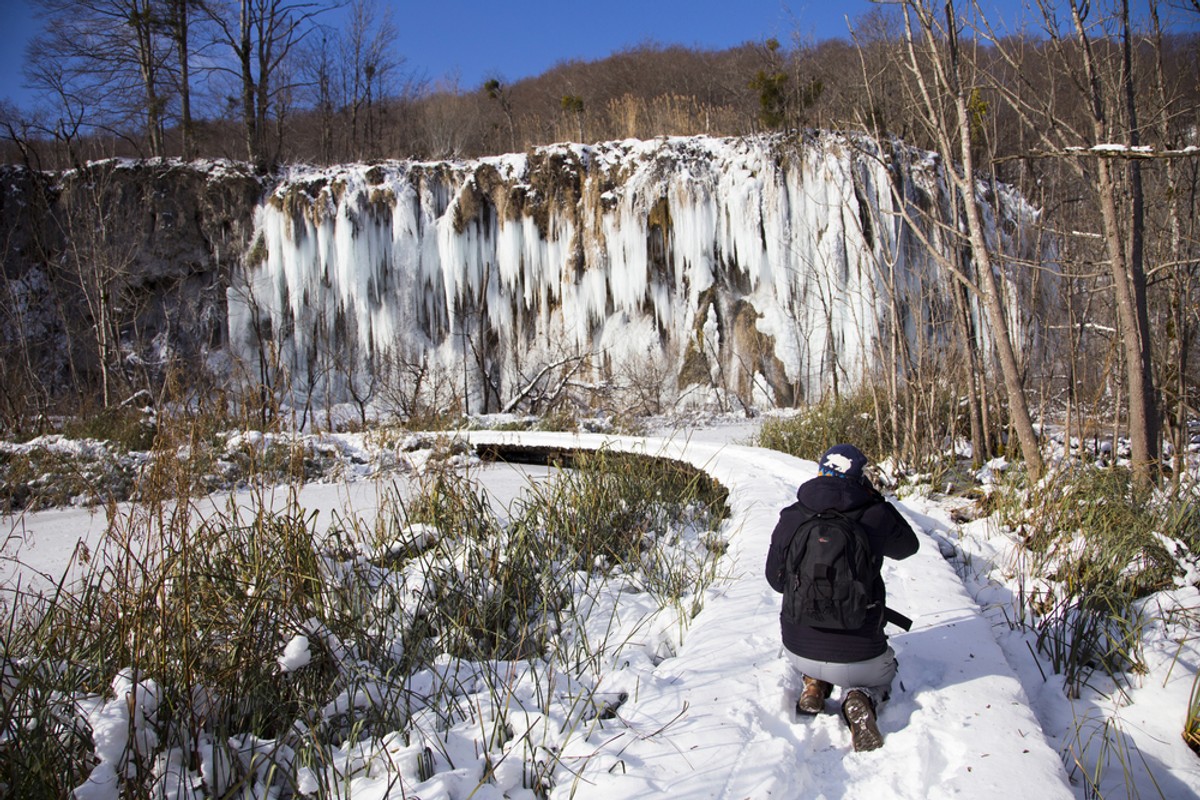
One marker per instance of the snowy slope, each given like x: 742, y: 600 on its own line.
x: 716, y: 721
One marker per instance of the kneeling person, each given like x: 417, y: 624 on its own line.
x: 832, y: 623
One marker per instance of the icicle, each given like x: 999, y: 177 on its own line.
x: 414, y: 257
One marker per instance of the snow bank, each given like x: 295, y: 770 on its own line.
x: 704, y: 708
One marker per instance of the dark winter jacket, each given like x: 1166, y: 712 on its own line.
x: 890, y: 536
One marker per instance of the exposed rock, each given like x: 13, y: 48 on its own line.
x: 153, y: 241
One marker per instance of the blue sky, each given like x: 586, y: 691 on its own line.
x: 477, y: 39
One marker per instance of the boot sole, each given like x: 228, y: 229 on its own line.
x: 864, y: 731
x: 866, y: 740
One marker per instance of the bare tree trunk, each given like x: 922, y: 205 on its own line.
x: 973, y: 375
x: 264, y: 59
x: 180, y: 29
x: 99, y: 261
x: 141, y: 21
x: 1182, y: 331
x: 946, y: 71
x: 1126, y: 267
x: 245, y: 63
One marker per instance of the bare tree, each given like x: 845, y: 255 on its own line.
x: 178, y: 22
x: 319, y: 69
x: 543, y: 391
x: 105, y: 64
x: 102, y: 240
x: 502, y: 94
x: 1091, y: 128
x: 446, y: 121
x: 1126, y: 266
x: 19, y: 130
x: 1180, y: 251
x: 368, y: 70
x: 414, y: 387
x: 572, y: 105
x: 939, y: 69
x: 262, y: 35
x: 645, y: 382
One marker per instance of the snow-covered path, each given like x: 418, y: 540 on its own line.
x: 716, y: 720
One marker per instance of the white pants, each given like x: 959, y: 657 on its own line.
x: 873, y: 676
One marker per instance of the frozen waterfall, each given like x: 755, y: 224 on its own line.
x: 764, y: 269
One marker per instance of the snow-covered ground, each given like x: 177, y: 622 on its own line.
x: 959, y: 722
x: 707, y: 708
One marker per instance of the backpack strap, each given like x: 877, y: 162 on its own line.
x: 896, y: 618
x: 853, y: 514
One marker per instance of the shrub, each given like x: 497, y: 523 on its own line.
x: 196, y: 613
x: 1092, y: 531
x: 610, y: 502
x: 815, y: 429
x: 1191, y: 726
x: 128, y: 428
x: 1093, y: 550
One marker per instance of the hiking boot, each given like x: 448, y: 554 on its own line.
x: 859, y: 712
x: 812, y: 699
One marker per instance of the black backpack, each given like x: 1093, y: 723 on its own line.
x: 830, y: 572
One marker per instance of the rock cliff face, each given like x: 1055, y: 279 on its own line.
x: 761, y: 270
x: 126, y: 259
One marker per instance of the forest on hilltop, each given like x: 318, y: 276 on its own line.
x: 150, y: 78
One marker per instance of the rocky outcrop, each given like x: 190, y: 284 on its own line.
x: 128, y: 258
